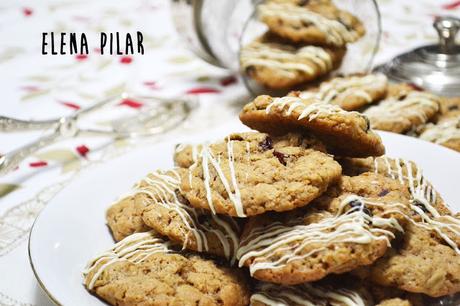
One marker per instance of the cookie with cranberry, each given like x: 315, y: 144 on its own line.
x: 281, y: 66
x: 185, y: 155
x: 426, y: 259
x: 348, y: 227
x: 313, y: 23
x: 422, y: 192
x: 344, y: 133
x: 251, y: 173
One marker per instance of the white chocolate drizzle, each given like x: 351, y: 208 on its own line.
x: 310, y: 111
x: 414, y: 105
x: 443, y: 132
x: 422, y: 193
x: 336, y: 33
x: 267, y: 55
x: 160, y: 187
x: 135, y: 248
x: 209, y: 161
x: 263, y: 244
x: 306, y: 295
x: 339, y: 89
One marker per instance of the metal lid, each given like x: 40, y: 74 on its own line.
x: 433, y: 67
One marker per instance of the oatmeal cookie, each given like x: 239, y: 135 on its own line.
x: 404, y: 114
x: 143, y: 270
x: 280, y: 66
x: 446, y: 132
x: 422, y: 263
x: 346, y: 228
x: 313, y: 23
x: 248, y: 174
x: 344, y: 133
x: 422, y: 192
x: 431, y: 241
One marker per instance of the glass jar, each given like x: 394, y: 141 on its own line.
x: 216, y: 30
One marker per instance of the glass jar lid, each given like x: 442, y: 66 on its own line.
x: 432, y: 67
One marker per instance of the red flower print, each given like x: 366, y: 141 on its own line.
x: 229, y: 80
x: 30, y: 88
x: 151, y: 85
x: 126, y: 59
x: 131, y: 103
x: 38, y: 164
x: 70, y: 105
x: 82, y: 150
x: 27, y: 11
x: 202, y: 90
x: 451, y: 6
x: 81, y: 57
x: 81, y: 18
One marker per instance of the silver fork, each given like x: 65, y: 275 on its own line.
x: 165, y: 115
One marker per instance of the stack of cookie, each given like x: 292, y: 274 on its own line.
x: 400, y: 108
x: 301, y: 212
x: 445, y: 128
x: 306, y: 40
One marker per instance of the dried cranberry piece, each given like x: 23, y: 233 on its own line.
x: 281, y: 157
x: 266, y: 144
x: 384, y: 192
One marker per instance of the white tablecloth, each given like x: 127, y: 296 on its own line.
x: 34, y: 86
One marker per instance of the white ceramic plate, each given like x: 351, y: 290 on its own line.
x: 71, y: 229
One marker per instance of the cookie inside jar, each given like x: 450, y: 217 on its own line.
x: 295, y: 45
